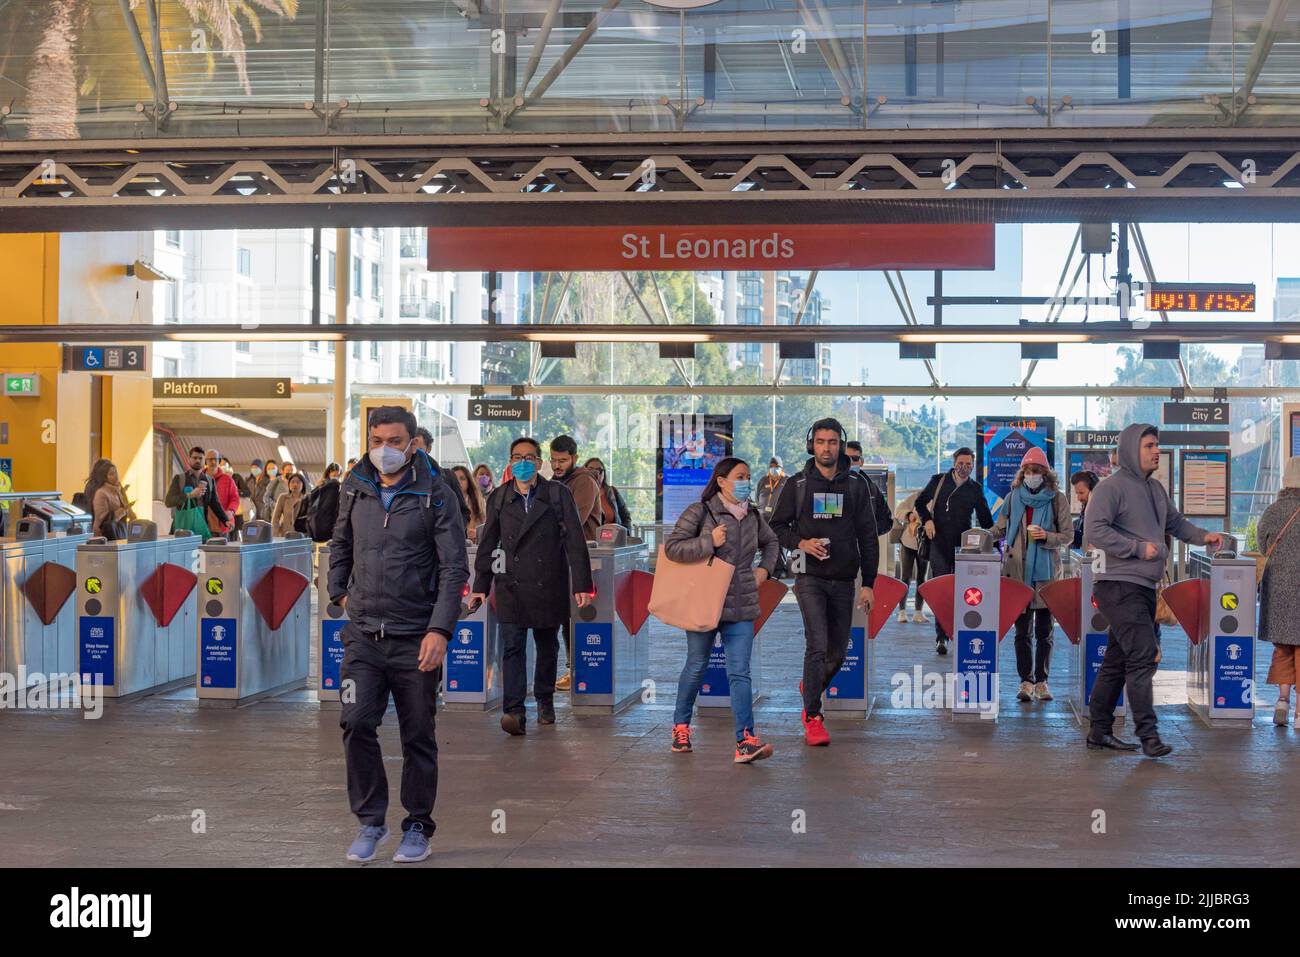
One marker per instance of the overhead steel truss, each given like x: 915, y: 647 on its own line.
x: 1099, y: 175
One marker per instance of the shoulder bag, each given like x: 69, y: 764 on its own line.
x: 690, y: 595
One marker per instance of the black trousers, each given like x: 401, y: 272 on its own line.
x: 514, y: 665
x: 827, y: 610
x: 913, y: 561
x: 941, y: 563
x: 1130, y: 659
x: 373, y: 668
x: 1032, y: 670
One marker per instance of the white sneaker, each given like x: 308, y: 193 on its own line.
x: 902, y: 617
x: 1041, y: 692
x: 1026, y: 692
x: 919, y: 617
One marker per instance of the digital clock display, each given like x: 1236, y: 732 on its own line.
x: 1200, y: 297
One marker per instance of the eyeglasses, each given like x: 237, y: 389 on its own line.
x: 524, y: 458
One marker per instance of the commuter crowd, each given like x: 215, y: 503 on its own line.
x: 398, y: 526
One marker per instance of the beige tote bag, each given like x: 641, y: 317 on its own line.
x: 690, y: 596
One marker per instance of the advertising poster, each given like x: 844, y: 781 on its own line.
x: 689, y: 447
x: 1204, y: 483
x: 1000, y: 443
x: 1096, y: 461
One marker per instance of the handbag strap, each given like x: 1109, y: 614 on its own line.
x: 1269, y: 553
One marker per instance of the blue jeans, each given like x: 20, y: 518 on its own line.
x: 738, y: 645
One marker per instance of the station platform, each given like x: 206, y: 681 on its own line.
x: 907, y: 787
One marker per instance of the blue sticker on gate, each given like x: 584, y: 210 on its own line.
x: 715, y: 683
x: 976, y: 667
x: 1234, y: 672
x: 95, y: 635
x: 217, y: 652
x: 850, y: 682
x: 593, y: 665
x: 1094, y: 654
x: 331, y: 654
x: 465, y: 658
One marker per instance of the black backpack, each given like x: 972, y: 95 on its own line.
x: 322, y: 509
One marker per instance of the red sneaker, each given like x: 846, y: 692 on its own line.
x: 814, y: 732
x: 681, y: 737
x: 752, y: 749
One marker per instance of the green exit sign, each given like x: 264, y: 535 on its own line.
x: 27, y: 384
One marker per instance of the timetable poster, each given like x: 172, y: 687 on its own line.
x: 689, y: 446
x: 1000, y: 443
x: 1204, y: 484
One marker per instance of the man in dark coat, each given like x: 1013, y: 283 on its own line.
x: 202, y: 490
x: 397, y: 564
x: 532, y: 545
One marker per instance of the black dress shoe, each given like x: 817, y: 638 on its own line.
x: 941, y: 647
x: 512, y: 723
x: 1155, y: 748
x: 1108, y: 742
x: 545, y: 712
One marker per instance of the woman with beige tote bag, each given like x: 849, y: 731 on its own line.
x: 722, y: 530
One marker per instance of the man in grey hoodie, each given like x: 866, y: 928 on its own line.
x: 1129, y: 519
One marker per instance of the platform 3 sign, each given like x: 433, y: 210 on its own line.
x: 798, y: 246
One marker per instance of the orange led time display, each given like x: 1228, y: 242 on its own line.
x: 1200, y: 297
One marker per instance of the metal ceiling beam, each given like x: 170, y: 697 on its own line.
x: 539, y: 44
x: 567, y: 56
x: 141, y: 54
x: 1274, y: 20
x: 1207, y: 331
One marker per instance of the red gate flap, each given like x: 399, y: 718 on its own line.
x: 888, y: 593
x: 1013, y: 601
x: 165, y: 591
x: 1063, y: 599
x: 632, y: 599
x: 770, y: 593
x: 275, y: 595
x: 48, y: 588
x: 1189, y: 600
x: 937, y: 593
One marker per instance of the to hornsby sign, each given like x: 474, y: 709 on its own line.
x: 798, y: 246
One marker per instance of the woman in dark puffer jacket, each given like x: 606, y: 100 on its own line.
x: 724, y: 523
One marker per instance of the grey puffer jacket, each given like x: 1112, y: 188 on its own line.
x: 1279, y: 595
x: 692, y: 541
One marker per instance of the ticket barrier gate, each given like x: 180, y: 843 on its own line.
x: 1071, y: 603
x: 849, y: 695
x: 976, y: 606
x: 471, y: 673
x: 611, y: 646
x: 1218, y: 614
x: 330, y: 619
x: 38, y: 625
x: 254, y: 615
x: 137, y: 610
x: 715, y: 692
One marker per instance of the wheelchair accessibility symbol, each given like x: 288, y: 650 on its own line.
x: 1228, y: 601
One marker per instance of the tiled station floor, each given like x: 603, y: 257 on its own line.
x: 907, y: 787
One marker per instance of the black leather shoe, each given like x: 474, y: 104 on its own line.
x: 941, y: 647
x: 1155, y: 748
x: 545, y: 712
x: 512, y: 723
x: 1108, y: 742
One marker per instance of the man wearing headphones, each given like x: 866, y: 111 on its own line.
x: 825, y: 514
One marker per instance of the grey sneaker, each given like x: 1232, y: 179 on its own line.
x: 414, y: 847
x: 1041, y: 691
x: 1280, y: 711
x: 368, y: 839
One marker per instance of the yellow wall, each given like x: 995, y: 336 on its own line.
x: 29, y: 277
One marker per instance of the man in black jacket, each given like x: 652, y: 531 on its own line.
x: 884, y: 514
x: 825, y: 513
x: 945, y: 506
x: 397, y: 564
x: 532, y: 545
x: 202, y: 490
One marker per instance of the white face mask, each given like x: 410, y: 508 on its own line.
x: 389, y: 460
x: 1033, y: 482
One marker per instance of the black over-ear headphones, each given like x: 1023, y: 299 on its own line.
x: 823, y: 424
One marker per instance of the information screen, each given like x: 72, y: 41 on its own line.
x: 1204, y: 482
x: 1079, y: 460
x: 1000, y: 443
x: 1200, y: 297
x: 1295, y: 435
x: 689, y: 447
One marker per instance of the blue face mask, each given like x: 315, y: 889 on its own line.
x: 740, y: 490
x: 524, y: 471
